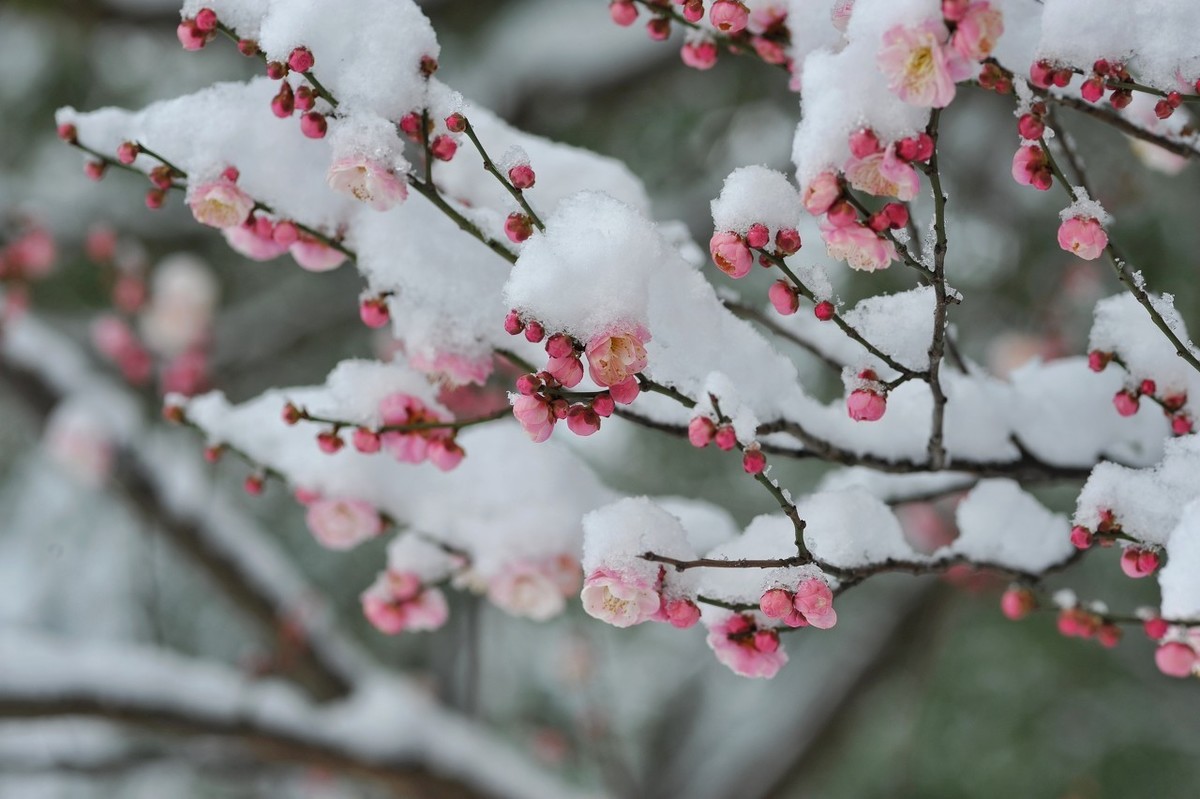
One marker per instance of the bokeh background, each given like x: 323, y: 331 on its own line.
x: 923, y: 689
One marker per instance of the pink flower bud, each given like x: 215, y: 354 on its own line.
x: 528, y: 385
x: 127, y: 152
x: 1109, y: 635
x: 604, y: 405
x: 513, y: 324
x: 68, y: 133
x: 582, y: 420
x: 1041, y: 74
x: 725, y: 437
x: 753, y: 461
x: 863, y: 143
x: 443, y: 148
x: 729, y: 16
x: 94, y: 170
x: 535, y: 416
x: 247, y: 47
x: 701, y: 431
x: 567, y: 370
x: 841, y: 214
x: 1181, y: 424
x: 1081, y: 537
x: 1083, y: 236
x: 865, y: 405
x: 776, y: 603
x: 731, y: 254
x: 758, y: 236
x: 534, y: 332
x: 285, y: 234
x: 1017, y: 603
x: 1137, y: 562
x: 301, y: 60
x: 1175, y: 659
x: 445, y: 453
x: 701, y: 55
x: 206, y: 20
x: 518, y: 227
x: 374, y: 312
x: 305, y: 99
x: 367, y: 441
x: 693, y: 11
x: 1098, y: 361
x: 623, y: 12
x: 560, y: 346
x: 1030, y: 127
x: 682, y: 613
x: 253, y: 485
x: 283, y: 103
x: 522, y: 177
x: 823, y: 310
x: 787, y: 241
x: 821, y: 193
x: 190, y: 35
x: 410, y: 124
x: 155, y: 198
x: 313, y: 125
x: 815, y: 601
x: 329, y: 442
x: 1155, y: 628
x: 783, y: 297
x: 659, y: 29
x: 626, y: 391
x: 1030, y: 167
x: 1147, y: 387
x: 276, y: 70
x: 766, y: 641
x: 291, y: 414
x: 1092, y: 89
x: 1126, y: 402
x: 212, y: 453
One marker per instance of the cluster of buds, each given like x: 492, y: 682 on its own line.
x: 887, y: 171
x: 399, y: 601
x: 301, y: 99
x: 199, y: 30
x: 733, y: 252
x: 993, y: 78
x: 539, y: 407
x: 703, y: 431
x: 1032, y: 124
x: 374, y: 312
x: 1077, y: 622
x: 1127, y: 401
x: 867, y: 402
x: 811, y: 603
x: 1031, y: 167
x: 420, y: 128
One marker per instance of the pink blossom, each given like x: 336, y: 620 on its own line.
x: 220, y: 204
x: 527, y: 589
x: 918, y: 65
x: 701, y: 431
x: 814, y: 601
x: 821, y: 192
x: 776, y: 603
x: 32, y: 253
x: 1083, y: 236
x: 186, y: 374
x: 250, y: 241
x: 453, y: 367
x: 736, y: 644
x: 366, y: 441
x: 582, y: 420
x: 444, y: 453
x: 977, y: 31
x: 1017, y: 603
x: 729, y: 16
x: 623, y: 12
x: 615, y: 357
x: 367, y: 181
x: 626, y: 391
x: 1137, y: 562
x: 400, y: 409
x: 534, y: 414
x: 700, y: 55
x: 1126, y: 403
x: 681, y: 613
x: 859, y: 246
x: 865, y: 405
x: 1175, y: 659
x: 315, y: 255
x: 190, y: 35
x: 391, y: 607
x: 731, y: 254
x: 567, y: 370
x: 783, y: 298
x: 343, y: 523
x: 1031, y: 168
x: 883, y: 175
x: 620, y: 600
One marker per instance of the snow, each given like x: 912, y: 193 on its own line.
x: 1180, y: 588
x: 1085, y: 207
x: 1000, y: 523
x: 1124, y: 327
x: 851, y: 528
x: 616, y: 536
x: 899, y: 324
x: 757, y: 195
x: 1147, y: 503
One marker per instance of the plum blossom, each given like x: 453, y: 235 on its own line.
x: 367, y: 181
x: 413, y: 446
x: 920, y: 67
x: 220, y: 203
x: 254, y: 241
x: 315, y: 255
x: 821, y: 193
x: 883, y: 174
x: 615, y: 357
x: 731, y: 254
x: 859, y: 246
x: 1083, y: 237
x: 343, y: 523
x: 976, y: 33
x: 535, y: 416
x: 745, y: 649
x: 535, y: 589
x: 814, y: 601
x: 620, y: 600
x: 397, y: 601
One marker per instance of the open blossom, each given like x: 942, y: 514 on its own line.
x: 343, y: 523
x: 534, y: 590
x: 315, y: 255
x: 615, y: 357
x: 919, y: 66
x: 620, y: 600
x: 821, y: 193
x: 396, y: 602
x: 731, y: 254
x: 220, y: 204
x: 746, y: 650
x: 1082, y: 236
x: 859, y: 246
x: 367, y: 181
x: 976, y: 33
x: 534, y: 414
x: 451, y: 367
x: 883, y: 175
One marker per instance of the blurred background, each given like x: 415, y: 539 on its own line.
x: 923, y: 689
